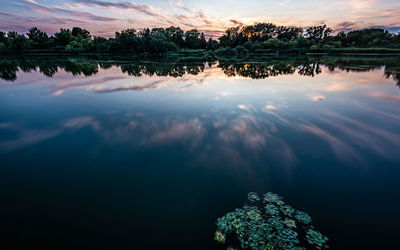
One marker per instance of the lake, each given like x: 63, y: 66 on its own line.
x: 145, y: 154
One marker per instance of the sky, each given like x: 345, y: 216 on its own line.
x: 104, y: 17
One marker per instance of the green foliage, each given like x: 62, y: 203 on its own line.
x: 367, y: 38
x: 259, y: 38
x: 38, y: 38
x: 225, y: 51
x: 274, y: 227
x: 274, y: 44
x: 63, y: 38
x: 3, y: 48
x: 79, y: 32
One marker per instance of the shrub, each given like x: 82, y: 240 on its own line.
x: 225, y: 51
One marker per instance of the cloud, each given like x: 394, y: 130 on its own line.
x: 345, y: 26
x: 121, y: 14
x: 236, y: 22
x: 21, y: 23
x: 38, y: 7
x: 144, y: 9
x: 179, y: 4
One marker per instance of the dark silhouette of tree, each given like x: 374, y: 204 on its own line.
x: 318, y: 33
x: 38, y: 38
x: 63, y: 38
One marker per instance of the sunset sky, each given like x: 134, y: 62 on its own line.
x: 104, y: 17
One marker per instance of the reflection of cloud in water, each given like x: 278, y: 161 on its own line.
x: 223, y: 94
x: 270, y: 107
x: 81, y: 122
x: 4, y: 125
x: 28, y: 138
x: 340, y: 148
x: 318, y: 98
x: 349, y: 138
x: 244, y: 129
x: 258, y: 136
x: 176, y: 132
x: 137, y: 87
x: 245, y: 107
x: 86, y: 83
x: 387, y: 97
x: 121, y: 133
x: 364, y: 135
x: 150, y: 133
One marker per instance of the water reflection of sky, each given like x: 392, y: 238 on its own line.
x: 284, y: 133
x: 350, y: 112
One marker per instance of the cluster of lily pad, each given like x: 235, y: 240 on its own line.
x: 268, y: 223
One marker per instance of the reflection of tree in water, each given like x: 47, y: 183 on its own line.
x: 256, y: 70
x: 394, y: 75
x: 79, y: 67
x: 10, y: 67
x: 8, y: 70
x: 162, y: 69
x: 310, y: 69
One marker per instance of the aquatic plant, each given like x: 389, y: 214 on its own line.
x: 316, y: 238
x: 290, y: 223
x: 287, y: 210
x: 253, y: 197
x: 219, y: 237
x: 303, y: 217
x: 271, y: 209
x: 271, y: 197
x: 268, y: 224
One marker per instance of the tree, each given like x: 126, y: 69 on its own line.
x: 192, y: 40
x: 127, y: 39
x: 302, y: 43
x: 63, y: 38
x: 37, y: 38
x: 275, y: 44
x: 203, y: 42
x: 212, y: 44
x: 288, y: 33
x: 76, y: 32
x: 318, y: 33
x: 100, y: 44
x: 176, y: 35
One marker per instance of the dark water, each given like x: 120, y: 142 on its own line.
x: 100, y: 154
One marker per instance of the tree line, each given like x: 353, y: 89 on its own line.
x: 258, y: 38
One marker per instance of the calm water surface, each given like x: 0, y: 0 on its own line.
x: 145, y: 155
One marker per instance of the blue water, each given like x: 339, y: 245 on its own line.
x: 101, y: 154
